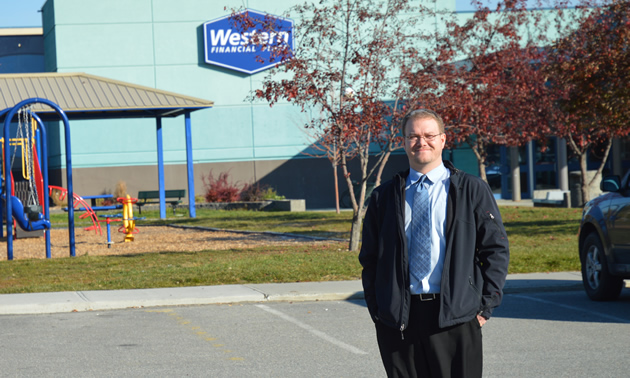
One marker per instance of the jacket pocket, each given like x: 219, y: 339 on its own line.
x: 474, y: 288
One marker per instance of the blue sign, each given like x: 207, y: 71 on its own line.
x: 227, y: 46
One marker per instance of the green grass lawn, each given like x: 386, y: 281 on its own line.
x: 541, y: 240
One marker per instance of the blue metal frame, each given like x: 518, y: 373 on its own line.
x: 2, y: 113
x: 160, y: 153
x: 190, y: 168
x: 7, y: 174
x: 43, y: 145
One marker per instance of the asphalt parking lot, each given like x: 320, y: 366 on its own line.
x: 535, y: 333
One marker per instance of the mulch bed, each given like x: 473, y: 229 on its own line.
x: 150, y: 239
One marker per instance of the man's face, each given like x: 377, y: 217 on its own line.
x: 424, y: 144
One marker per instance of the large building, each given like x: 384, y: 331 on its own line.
x: 160, y: 44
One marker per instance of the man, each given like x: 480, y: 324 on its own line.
x: 435, y: 258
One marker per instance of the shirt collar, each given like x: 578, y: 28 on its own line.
x: 434, y: 175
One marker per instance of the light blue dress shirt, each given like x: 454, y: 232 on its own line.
x: 438, y: 193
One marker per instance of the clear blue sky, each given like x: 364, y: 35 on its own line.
x: 20, y: 13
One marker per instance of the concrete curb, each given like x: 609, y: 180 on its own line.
x: 45, y: 303
x: 59, y: 302
x: 42, y: 303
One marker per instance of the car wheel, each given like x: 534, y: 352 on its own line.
x: 598, y: 283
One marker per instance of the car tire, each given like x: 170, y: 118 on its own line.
x: 598, y: 283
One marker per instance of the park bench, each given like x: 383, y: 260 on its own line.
x: 93, y: 203
x: 93, y: 199
x: 173, y: 197
x: 553, y: 198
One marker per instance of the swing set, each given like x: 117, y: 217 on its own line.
x: 28, y: 216
x: 34, y: 215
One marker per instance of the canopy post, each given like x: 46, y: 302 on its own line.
x: 190, y: 168
x: 160, y: 156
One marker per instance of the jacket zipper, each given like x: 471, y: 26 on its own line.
x: 494, y: 221
x: 405, y: 274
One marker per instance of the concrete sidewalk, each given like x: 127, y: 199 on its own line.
x: 44, y: 303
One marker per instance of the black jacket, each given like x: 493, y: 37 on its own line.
x: 475, y: 262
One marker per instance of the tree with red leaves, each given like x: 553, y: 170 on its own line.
x: 492, y: 85
x: 348, y: 69
x: 589, y: 69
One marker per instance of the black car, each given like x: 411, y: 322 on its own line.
x: 604, y: 240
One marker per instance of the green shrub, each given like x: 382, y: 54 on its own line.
x: 257, y: 192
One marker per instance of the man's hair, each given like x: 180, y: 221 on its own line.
x: 422, y: 114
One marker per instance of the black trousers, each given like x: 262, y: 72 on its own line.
x: 428, y: 350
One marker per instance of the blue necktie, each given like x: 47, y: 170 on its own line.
x: 420, y: 251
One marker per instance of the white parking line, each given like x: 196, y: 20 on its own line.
x: 312, y: 330
x: 573, y: 308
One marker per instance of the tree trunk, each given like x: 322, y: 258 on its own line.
x: 583, y: 169
x: 581, y: 150
x: 355, y: 231
x: 336, y: 187
x: 482, y: 171
x: 609, y: 144
x: 515, y: 174
x: 586, y: 183
x: 379, y: 172
x: 481, y: 161
x: 358, y: 208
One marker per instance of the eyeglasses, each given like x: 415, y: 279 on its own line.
x: 416, y: 138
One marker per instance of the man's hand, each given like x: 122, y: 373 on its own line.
x: 481, y: 320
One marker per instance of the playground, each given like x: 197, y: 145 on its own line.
x: 31, y: 214
x: 24, y: 184
x: 151, y: 239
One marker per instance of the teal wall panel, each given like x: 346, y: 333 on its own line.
x: 72, y: 12
x: 101, y: 143
x: 56, y: 145
x: 105, y: 45
x: 464, y: 158
x: 176, y: 42
x: 219, y: 86
x: 221, y: 128
x: 142, y: 75
x: 274, y: 7
x: 279, y: 131
x: 48, y: 16
x: 50, y: 51
x: 188, y: 10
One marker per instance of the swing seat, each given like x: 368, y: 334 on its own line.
x: 27, y: 222
x: 33, y: 212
